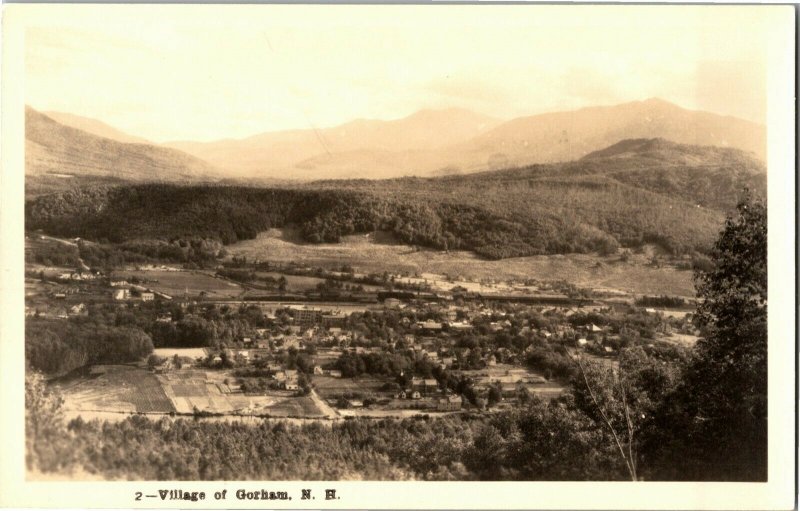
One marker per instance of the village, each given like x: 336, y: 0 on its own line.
x: 300, y: 352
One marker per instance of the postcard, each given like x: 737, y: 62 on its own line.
x: 398, y: 256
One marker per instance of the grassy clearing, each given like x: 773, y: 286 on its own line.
x: 176, y: 283
x: 328, y: 387
x: 367, y: 255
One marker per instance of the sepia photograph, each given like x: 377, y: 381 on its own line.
x: 475, y: 244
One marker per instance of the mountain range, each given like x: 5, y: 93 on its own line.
x: 427, y: 143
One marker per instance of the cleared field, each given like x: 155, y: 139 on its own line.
x: 375, y: 254
x: 135, y: 389
x: 328, y: 387
x: 181, y: 352
x: 294, y: 282
x: 303, y: 283
x: 176, y: 283
x: 295, y: 407
x: 119, y: 388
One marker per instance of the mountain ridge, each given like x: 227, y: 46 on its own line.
x: 542, y: 138
x: 54, y: 149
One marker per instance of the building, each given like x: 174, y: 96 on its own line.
x: 450, y: 403
x: 148, y: 296
x: 429, y: 326
x: 307, y: 316
x: 121, y: 294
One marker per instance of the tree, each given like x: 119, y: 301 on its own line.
x: 495, y: 394
x: 714, y: 426
x: 44, y: 426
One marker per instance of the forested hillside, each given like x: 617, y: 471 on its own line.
x: 595, y: 204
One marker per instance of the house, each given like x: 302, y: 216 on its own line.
x: 148, y: 296
x: 415, y: 395
x: 591, y: 327
x: 429, y: 326
x: 335, y: 373
x: 582, y: 342
x: 449, y: 404
x: 492, y: 361
x: 318, y: 370
x: 121, y: 294
x: 460, y: 326
x: 417, y: 383
x: 78, y: 309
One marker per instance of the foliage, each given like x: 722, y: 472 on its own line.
x: 505, y: 216
x: 714, y: 425
x: 58, y: 346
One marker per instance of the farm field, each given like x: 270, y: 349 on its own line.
x: 328, y: 387
x: 176, y: 283
x: 134, y: 389
x: 118, y: 388
x: 375, y: 254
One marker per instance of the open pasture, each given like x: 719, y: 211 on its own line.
x: 176, y: 283
x: 328, y: 387
x: 371, y: 254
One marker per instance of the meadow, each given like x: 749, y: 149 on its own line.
x: 376, y: 254
x: 176, y: 283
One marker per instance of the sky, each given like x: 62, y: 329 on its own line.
x: 205, y: 73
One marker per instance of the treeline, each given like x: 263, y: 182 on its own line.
x: 58, y: 346
x: 108, y: 335
x: 660, y: 301
x: 495, y: 219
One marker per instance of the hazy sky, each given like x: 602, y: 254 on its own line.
x: 206, y: 72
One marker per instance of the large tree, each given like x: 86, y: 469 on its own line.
x: 714, y: 427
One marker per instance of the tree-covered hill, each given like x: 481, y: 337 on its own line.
x: 594, y: 204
